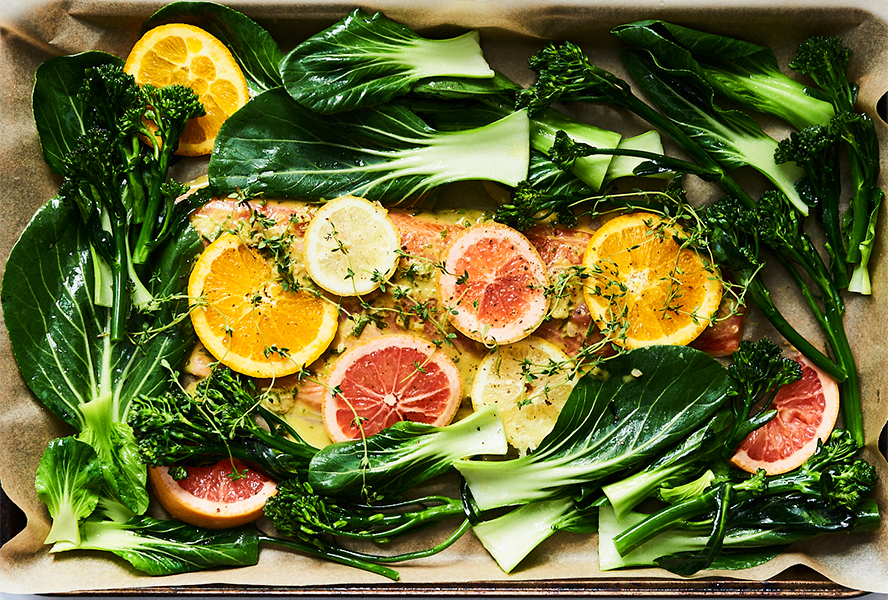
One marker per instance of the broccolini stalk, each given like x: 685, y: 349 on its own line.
x: 734, y: 242
x: 826, y: 61
x: 816, y: 150
x: 781, y: 229
x: 760, y: 371
x: 832, y: 474
x: 296, y: 510
x: 119, y: 183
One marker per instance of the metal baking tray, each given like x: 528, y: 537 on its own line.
x: 797, y: 582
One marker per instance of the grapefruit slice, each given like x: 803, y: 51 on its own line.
x: 493, y: 284
x: 390, y: 378
x: 807, y: 410
x: 227, y: 494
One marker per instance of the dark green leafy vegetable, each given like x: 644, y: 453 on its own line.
x: 760, y: 529
x: 59, y: 113
x: 70, y: 482
x: 832, y: 474
x: 60, y: 342
x: 646, y: 402
x: 732, y: 137
x: 160, y: 547
x: 404, y: 455
x: 745, y: 73
x: 119, y: 184
x: 676, y: 465
x: 271, y: 147
x: 367, y: 60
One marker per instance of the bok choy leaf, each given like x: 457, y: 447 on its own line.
x: 646, y: 400
x: 732, y: 137
x: 366, y: 60
x: 255, y: 51
x: 160, y: 547
x: 744, y: 72
x: 60, y: 342
x: 275, y: 146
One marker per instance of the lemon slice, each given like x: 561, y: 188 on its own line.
x: 188, y: 55
x: 645, y: 288
x: 529, y: 383
x: 249, y: 321
x: 351, y: 246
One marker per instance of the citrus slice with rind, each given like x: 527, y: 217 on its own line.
x: 493, y: 284
x: 529, y: 381
x: 807, y: 411
x: 645, y: 285
x: 177, y: 53
x: 248, y: 320
x: 387, y: 379
x: 351, y: 246
x: 214, y: 496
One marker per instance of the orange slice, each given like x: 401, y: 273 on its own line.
x: 219, y: 496
x: 493, y: 284
x: 247, y: 320
x: 643, y: 287
x: 807, y: 410
x: 188, y: 55
x: 390, y: 378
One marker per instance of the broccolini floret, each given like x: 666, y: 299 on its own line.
x: 120, y: 182
x: 832, y: 475
x: 826, y: 60
x: 223, y: 417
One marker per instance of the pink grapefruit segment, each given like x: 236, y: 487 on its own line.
x: 226, y: 494
x: 493, y: 284
x: 806, y: 412
x: 390, y: 378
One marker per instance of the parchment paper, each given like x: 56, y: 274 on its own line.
x: 512, y: 30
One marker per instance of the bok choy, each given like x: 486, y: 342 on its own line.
x: 367, y: 60
x: 275, y: 146
x: 645, y: 401
x: 61, y: 344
